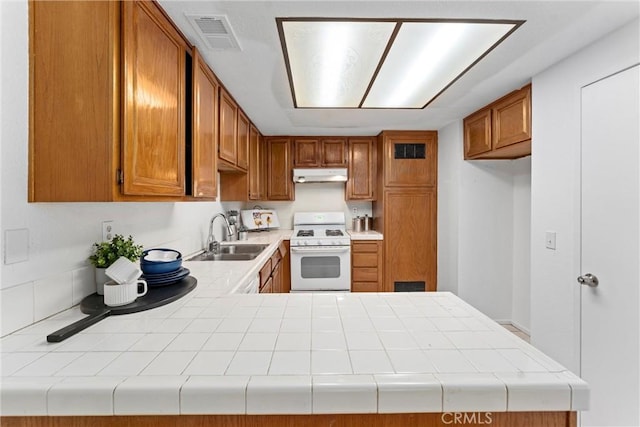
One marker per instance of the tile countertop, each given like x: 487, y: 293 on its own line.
x: 215, y: 352
x: 365, y: 235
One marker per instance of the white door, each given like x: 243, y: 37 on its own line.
x: 610, y: 249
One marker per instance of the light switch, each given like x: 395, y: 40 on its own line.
x: 16, y: 246
x: 550, y: 240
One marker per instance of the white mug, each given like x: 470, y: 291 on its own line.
x: 121, y: 294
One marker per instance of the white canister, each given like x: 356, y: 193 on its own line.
x: 122, y: 294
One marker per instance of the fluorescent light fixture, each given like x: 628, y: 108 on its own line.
x: 332, y: 62
x: 389, y: 63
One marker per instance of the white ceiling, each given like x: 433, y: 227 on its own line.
x: 256, y: 76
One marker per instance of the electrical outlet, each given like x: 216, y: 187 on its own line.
x: 108, y: 230
x: 355, y: 212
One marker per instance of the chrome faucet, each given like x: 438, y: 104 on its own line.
x: 213, y: 246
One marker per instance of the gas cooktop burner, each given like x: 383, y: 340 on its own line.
x: 305, y: 233
x: 334, y: 233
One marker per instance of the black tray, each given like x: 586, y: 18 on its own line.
x: 94, y: 306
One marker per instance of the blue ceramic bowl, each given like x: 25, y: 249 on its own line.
x: 160, y: 261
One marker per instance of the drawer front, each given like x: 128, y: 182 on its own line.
x: 364, y: 287
x: 365, y: 275
x: 365, y: 247
x: 365, y: 260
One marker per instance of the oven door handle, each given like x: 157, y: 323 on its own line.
x: 321, y: 249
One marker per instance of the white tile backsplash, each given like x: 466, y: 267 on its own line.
x: 84, y: 283
x: 52, y: 295
x: 17, y: 308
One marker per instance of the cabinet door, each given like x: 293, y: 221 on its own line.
x: 286, y: 266
x: 512, y: 118
x: 255, y: 164
x: 228, y: 128
x: 265, y: 273
x: 410, y: 234
x: 276, y: 275
x: 242, y: 158
x: 411, y: 158
x: 305, y: 153
x: 334, y: 153
x: 72, y: 159
x: 279, y: 180
x: 361, y: 184
x: 268, y: 287
x: 205, y: 132
x: 477, y: 133
x: 154, y: 102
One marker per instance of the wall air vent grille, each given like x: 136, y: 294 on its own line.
x: 215, y: 31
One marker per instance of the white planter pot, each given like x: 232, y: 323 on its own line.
x: 101, y: 279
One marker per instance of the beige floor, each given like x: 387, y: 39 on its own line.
x: 517, y: 332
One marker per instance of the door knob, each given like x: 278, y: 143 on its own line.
x: 588, y: 280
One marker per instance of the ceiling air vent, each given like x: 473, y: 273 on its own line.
x: 215, y: 31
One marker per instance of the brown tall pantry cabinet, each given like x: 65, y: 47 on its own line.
x: 406, y: 209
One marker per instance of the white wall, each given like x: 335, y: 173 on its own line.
x: 521, y: 297
x: 483, y: 229
x: 555, y: 202
x: 320, y: 197
x: 449, y: 158
x: 57, y: 274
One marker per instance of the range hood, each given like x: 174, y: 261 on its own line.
x: 320, y: 175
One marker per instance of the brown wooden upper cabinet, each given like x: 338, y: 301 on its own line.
x: 233, y: 150
x: 314, y: 152
x: 154, y: 119
x: 502, y: 129
x: 361, y: 184
x: 278, y: 159
x: 243, y: 141
x: 227, y: 148
x: 248, y: 186
x: 256, y: 165
x: 409, y: 158
x: 205, y: 129
x: 107, y: 102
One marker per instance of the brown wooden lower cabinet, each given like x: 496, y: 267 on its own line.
x: 492, y: 419
x: 366, y: 266
x: 275, y: 274
x: 286, y: 266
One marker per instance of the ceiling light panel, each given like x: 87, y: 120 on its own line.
x: 382, y: 63
x: 331, y: 62
x: 426, y: 57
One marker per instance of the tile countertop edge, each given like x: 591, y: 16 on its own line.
x: 365, y: 235
x: 384, y: 393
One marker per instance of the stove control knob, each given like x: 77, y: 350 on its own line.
x: 319, y: 243
x: 305, y: 243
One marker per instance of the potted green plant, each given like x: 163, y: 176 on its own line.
x: 106, y: 253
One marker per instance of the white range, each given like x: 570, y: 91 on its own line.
x: 320, y: 253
